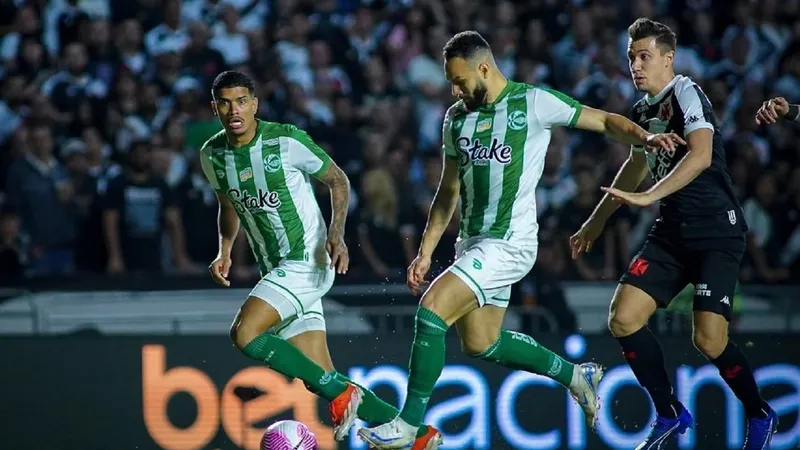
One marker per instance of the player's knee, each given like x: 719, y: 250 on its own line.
x: 241, y: 334
x: 622, y: 322
x: 434, y: 301
x: 709, y: 343
x: 476, y: 346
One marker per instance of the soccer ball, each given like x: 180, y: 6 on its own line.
x: 288, y: 435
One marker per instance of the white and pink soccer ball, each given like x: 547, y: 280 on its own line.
x: 288, y: 435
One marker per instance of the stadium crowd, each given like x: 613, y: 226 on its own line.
x: 105, y: 105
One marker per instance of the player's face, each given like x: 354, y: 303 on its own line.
x: 236, y: 109
x: 647, y: 63
x: 468, y: 83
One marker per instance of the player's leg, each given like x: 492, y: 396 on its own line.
x: 447, y: 300
x: 653, y: 279
x: 272, y: 303
x: 308, y: 334
x: 482, y: 337
x: 717, y: 273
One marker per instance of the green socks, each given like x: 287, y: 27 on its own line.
x: 425, y: 367
x: 375, y: 411
x: 283, y: 357
x: 521, y: 352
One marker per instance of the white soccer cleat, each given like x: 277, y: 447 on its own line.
x: 396, y: 434
x: 583, y: 388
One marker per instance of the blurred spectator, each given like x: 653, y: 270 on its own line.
x: 41, y: 191
x: 12, y: 248
x: 380, y: 233
x: 139, y: 208
x: 761, y: 213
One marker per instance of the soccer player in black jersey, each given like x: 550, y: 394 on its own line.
x: 699, y: 238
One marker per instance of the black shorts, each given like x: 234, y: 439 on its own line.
x: 665, y: 266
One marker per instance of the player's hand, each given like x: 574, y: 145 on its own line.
x: 638, y: 199
x: 116, y: 265
x: 772, y: 110
x: 416, y: 273
x: 584, y: 238
x: 663, y: 141
x: 340, y: 259
x: 219, y: 269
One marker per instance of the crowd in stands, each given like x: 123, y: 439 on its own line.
x: 105, y: 105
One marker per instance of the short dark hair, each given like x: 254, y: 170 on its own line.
x: 231, y: 79
x: 644, y: 28
x: 464, y: 45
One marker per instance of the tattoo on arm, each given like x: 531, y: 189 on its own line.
x: 339, y: 185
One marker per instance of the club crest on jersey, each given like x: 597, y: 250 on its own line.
x: 483, y: 125
x: 272, y: 163
x: 245, y: 174
x: 244, y: 201
x: 517, y: 120
x: 481, y: 155
x: 665, y: 112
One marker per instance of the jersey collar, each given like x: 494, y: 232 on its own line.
x: 508, y: 88
x: 658, y: 97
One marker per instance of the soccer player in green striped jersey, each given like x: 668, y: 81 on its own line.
x: 494, y: 143
x: 260, y: 172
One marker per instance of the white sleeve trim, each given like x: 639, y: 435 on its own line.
x: 692, y: 106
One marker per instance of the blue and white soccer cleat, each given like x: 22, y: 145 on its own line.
x: 760, y: 432
x: 583, y: 388
x: 664, y: 429
x: 396, y: 434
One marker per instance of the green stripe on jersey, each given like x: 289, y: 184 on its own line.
x: 516, y: 138
x: 292, y: 224
x: 481, y: 172
x: 256, y: 223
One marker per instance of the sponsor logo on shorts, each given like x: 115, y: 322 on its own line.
x: 280, y: 272
x: 639, y: 266
x: 702, y: 290
x: 476, y: 264
x: 725, y: 300
x: 732, y: 217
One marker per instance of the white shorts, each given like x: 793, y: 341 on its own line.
x: 295, y: 289
x: 489, y: 266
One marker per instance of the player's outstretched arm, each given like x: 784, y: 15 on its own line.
x: 777, y: 108
x: 622, y: 129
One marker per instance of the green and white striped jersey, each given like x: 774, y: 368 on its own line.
x: 500, y: 149
x: 267, y: 180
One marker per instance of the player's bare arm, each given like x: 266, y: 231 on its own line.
x: 174, y: 223
x: 622, y: 129
x: 777, y: 108
x: 339, y: 185
x: 628, y: 179
x: 228, y: 229
x: 441, y: 212
x: 697, y: 159
x: 111, y: 234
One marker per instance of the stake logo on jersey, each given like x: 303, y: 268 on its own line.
x: 244, y: 201
x: 481, y: 155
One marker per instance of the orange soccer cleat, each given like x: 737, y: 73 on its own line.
x: 343, y: 411
x: 430, y: 441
